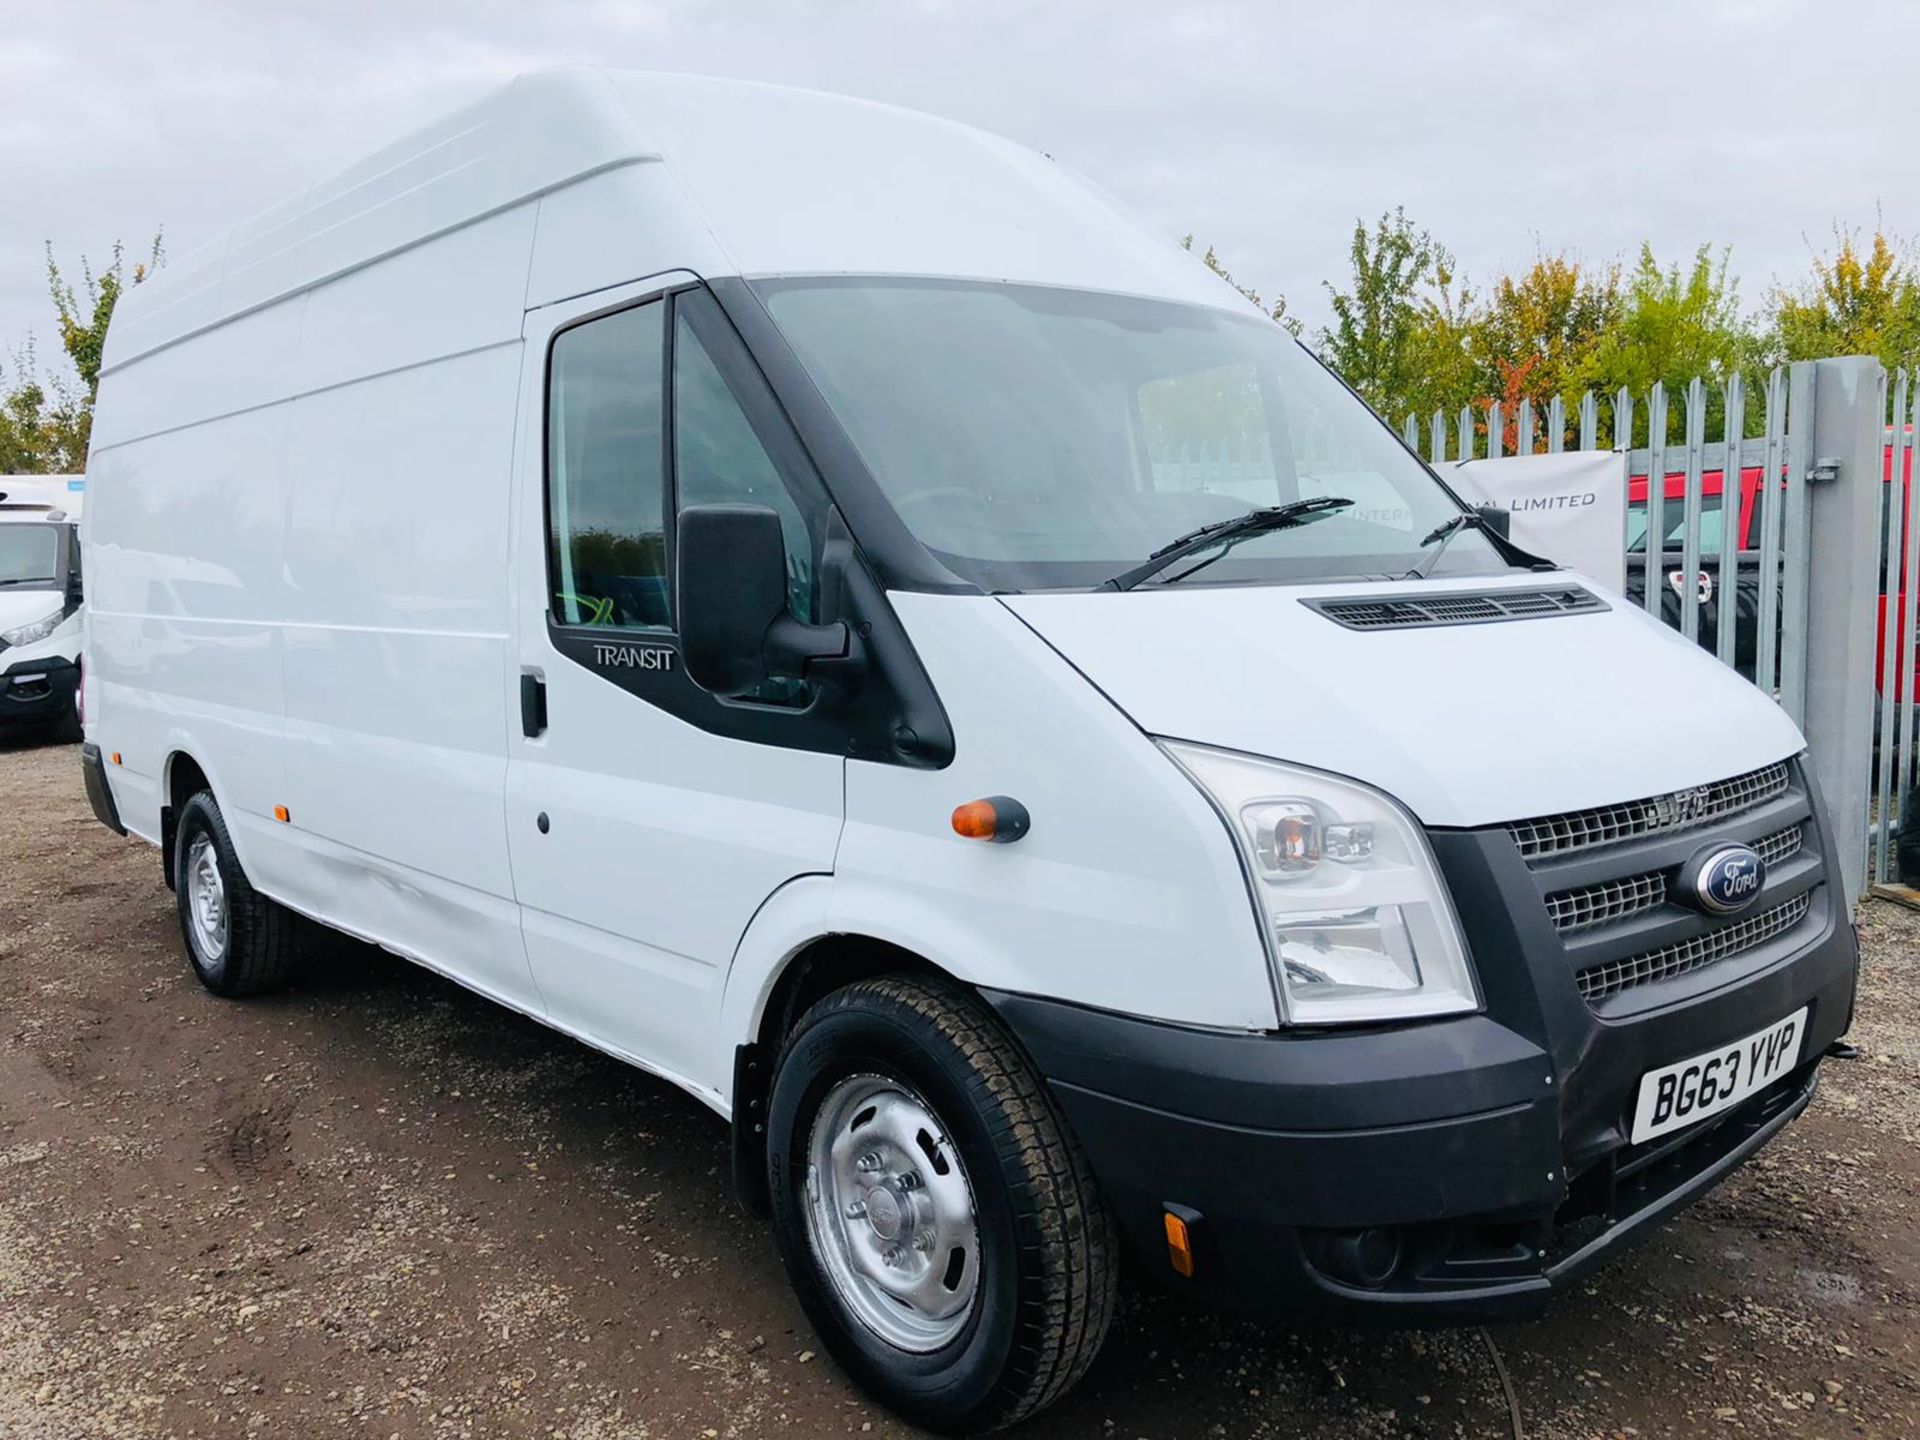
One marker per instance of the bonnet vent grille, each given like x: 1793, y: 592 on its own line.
x: 1402, y: 613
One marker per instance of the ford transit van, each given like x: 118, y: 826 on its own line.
x: 41, y: 615
x: 709, y: 567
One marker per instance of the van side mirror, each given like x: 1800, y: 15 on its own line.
x: 1498, y: 519
x: 736, y: 632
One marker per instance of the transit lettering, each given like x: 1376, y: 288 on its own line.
x: 632, y: 657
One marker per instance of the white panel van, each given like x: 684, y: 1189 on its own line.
x: 724, y: 570
x: 42, y: 615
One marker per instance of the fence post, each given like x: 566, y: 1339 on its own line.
x: 1843, y: 585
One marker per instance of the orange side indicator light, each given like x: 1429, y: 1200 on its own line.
x: 999, y: 818
x: 1179, y: 1245
x: 115, y: 757
x: 280, y: 814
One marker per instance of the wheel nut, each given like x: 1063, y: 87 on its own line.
x: 923, y: 1241
x: 856, y: 1210
x: 868, y: 1163
x: 893, y: 1255
x: 910, y: 1180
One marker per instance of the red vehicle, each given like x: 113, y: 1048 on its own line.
x: 1713, y: 518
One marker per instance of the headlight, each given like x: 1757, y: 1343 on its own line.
x: 1357, y: 920
x: 38, y: 630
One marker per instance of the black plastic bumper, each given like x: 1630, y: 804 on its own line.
x: 35, y: 692
x: 93, y: 771
x: 1481, y: 1165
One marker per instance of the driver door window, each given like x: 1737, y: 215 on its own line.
x: 606, y: 491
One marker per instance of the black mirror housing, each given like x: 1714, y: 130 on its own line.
x: 731, y: 598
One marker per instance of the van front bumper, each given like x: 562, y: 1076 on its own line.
x: 34, y: 692
x: 1446, y: 1171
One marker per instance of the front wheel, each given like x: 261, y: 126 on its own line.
x: 942, y: 1228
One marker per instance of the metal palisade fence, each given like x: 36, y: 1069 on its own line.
x: 1899, y: 562
x: 1707, y: 528
x: 1725, y: 485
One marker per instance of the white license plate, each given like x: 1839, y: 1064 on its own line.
x: 1676, y: 1096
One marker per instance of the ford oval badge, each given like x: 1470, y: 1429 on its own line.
x: 1724, y: 880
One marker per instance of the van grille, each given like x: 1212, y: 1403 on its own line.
x: 1554, y: 835
x: 1402, y: 613
x: 1606, y: 902
x: 1597, y: 982
x: 1604, y: 879
x: 1621, y: 899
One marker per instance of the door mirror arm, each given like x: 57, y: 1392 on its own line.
x: 827, y: 654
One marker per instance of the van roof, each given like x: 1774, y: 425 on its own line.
x: 784, y: 181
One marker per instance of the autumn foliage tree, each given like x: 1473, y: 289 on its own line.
x: 1860, y: 300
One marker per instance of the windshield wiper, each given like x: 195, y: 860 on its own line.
x: 1226, y: 532
x: 1444, y: 533
x: 27, y: 580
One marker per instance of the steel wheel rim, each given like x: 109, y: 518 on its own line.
x: 890, y: 1213
x: 206, y: 900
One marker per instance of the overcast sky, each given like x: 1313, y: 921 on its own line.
x: 1264, y: 128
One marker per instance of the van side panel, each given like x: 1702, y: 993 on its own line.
x: 184, y: 581
x: 310, y: 596
x: 397, y: 619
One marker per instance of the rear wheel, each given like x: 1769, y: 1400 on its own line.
x: 240, y: 942
x: 940, y: 1225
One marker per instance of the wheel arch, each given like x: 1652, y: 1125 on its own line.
x: 796, y: 950
x: 182, y: 776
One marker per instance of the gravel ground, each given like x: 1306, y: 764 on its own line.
x: 378, y: 1206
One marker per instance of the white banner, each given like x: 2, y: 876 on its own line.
x: 1570, y: 508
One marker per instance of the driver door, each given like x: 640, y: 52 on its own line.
x: 648, y: 821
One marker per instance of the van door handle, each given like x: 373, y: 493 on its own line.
x: 533, y: 706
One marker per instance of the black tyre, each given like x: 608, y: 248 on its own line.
x: 941, y: 1227
x: 240, y: 942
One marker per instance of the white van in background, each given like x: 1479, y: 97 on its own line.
x: 691, y: 561
x: 41, y: 613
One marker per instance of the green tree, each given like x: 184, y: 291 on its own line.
x: 1380, y: 342
x: 24, y: 442
x: 1445, y: 351
x: 1673, y: 323
x: 47, y: 425
x: 1856, y: 302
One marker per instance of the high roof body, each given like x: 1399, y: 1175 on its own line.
x: 767, y: 180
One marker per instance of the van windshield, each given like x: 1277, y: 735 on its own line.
x: 29, y: 556
x: 1042, y: 438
